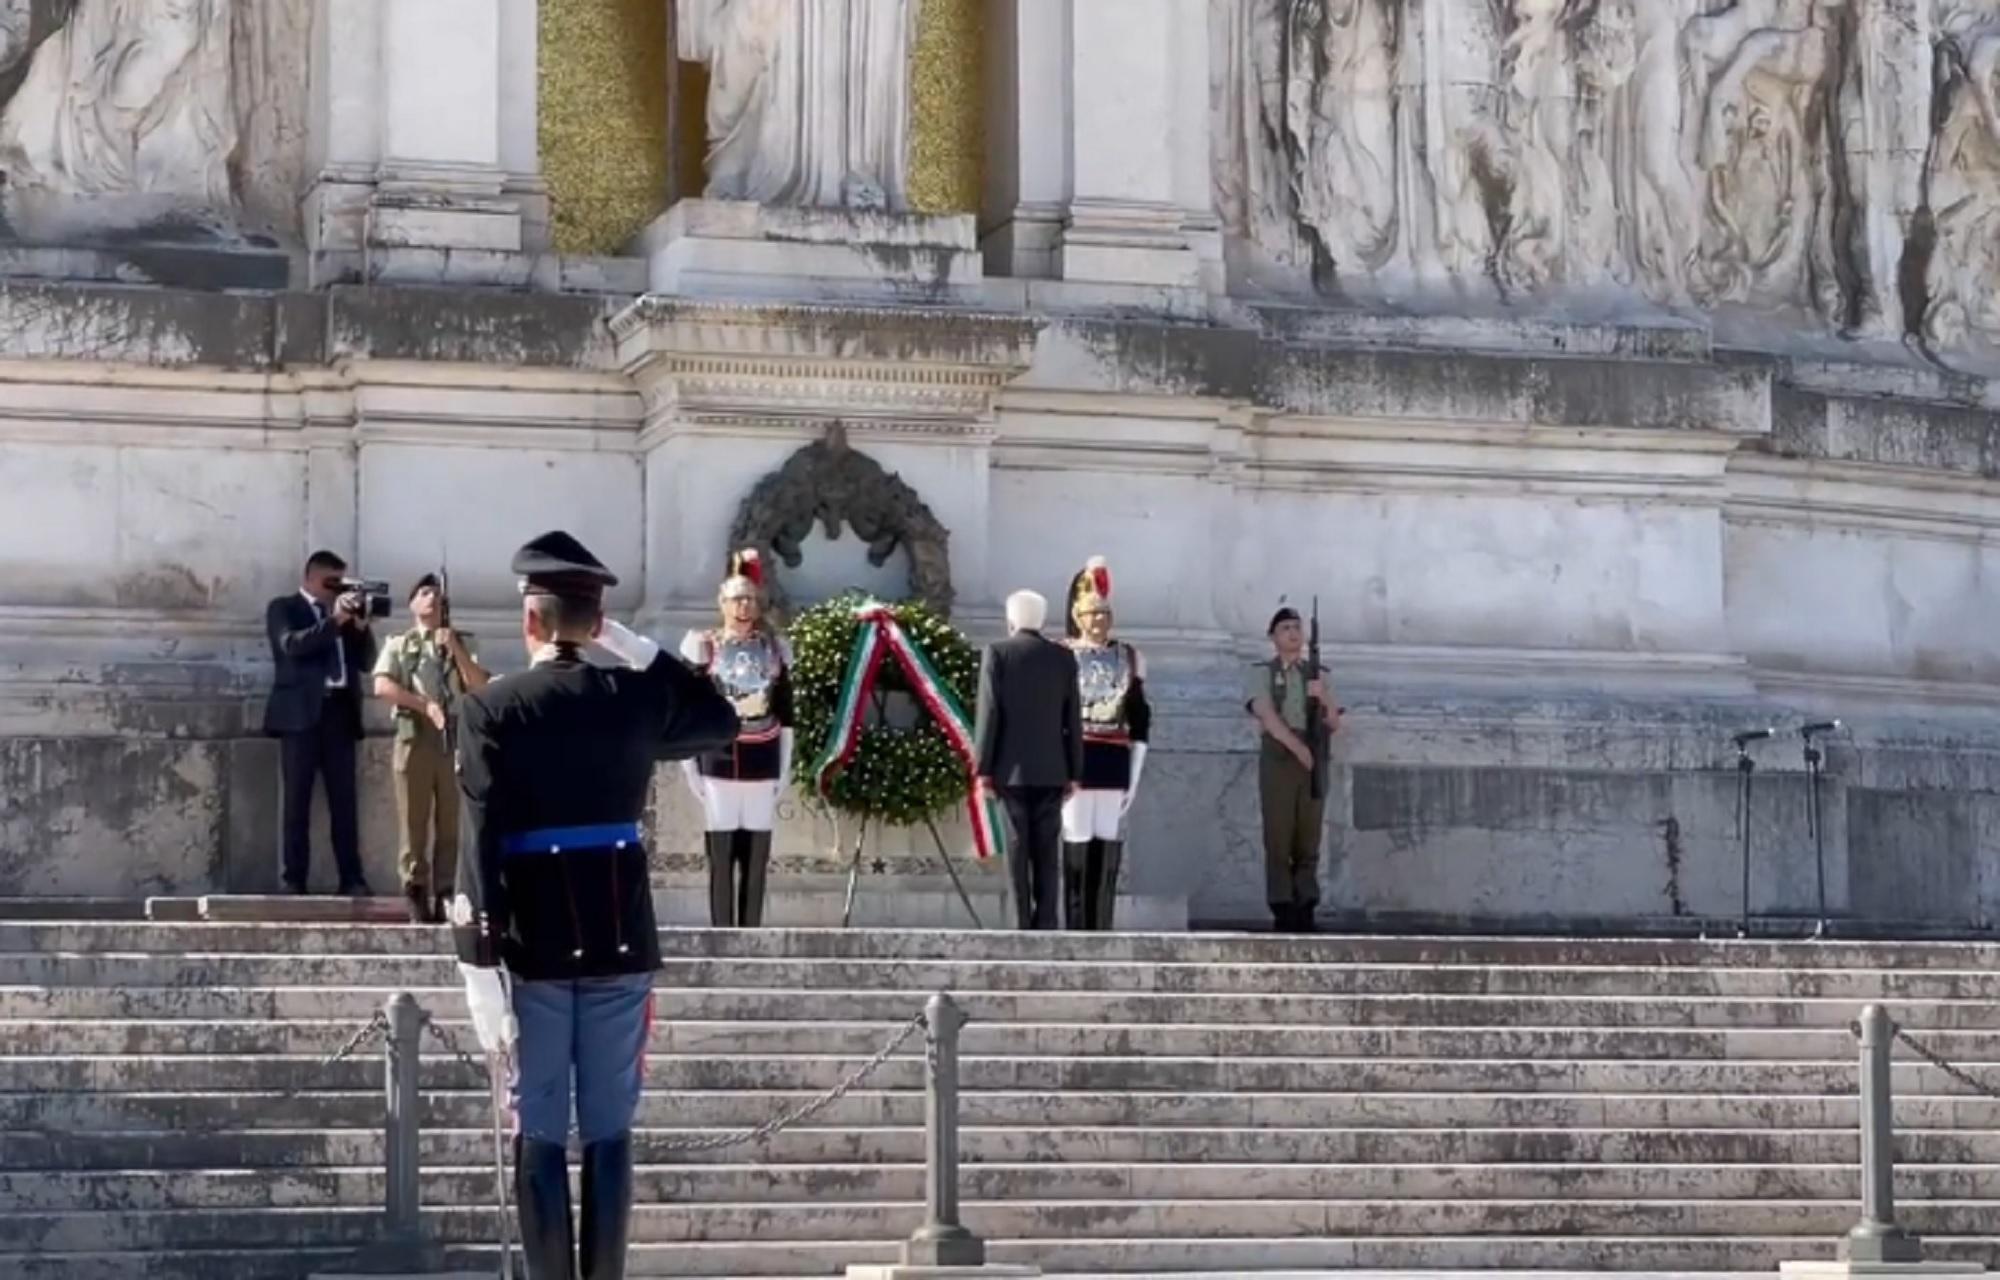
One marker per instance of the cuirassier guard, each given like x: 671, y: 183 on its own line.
x: 1111, y: 682
x: 553, y: 918
x: 739, y: 784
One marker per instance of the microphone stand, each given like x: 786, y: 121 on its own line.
x: 1746, y: 768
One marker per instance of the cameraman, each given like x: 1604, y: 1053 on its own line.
x: 422, y: 674
x: 323, y: 649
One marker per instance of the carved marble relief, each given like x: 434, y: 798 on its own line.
x: 1835, y: 163
x: 1756, y: 128
x: 134, y: 115
x: 808, y: 100
x: 1340, y: 103
x: 1962, y: 181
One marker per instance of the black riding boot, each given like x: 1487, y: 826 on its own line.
x: 756, y: 855
x: 607, y: 1207
x: 541, y: 1189
x: 1076, y: 894
x: 721, y: 886
x: 1105, y: 888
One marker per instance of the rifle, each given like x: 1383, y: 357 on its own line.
x: 447, y: 668
x: 1315, y: 713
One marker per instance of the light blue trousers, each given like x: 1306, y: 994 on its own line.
x: 591, y: 1031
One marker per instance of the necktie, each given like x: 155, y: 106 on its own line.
x: 338, y: 680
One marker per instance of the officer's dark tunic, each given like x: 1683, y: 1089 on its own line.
x: 554, y: 765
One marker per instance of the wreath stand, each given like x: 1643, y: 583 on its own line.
x: 861, y: 840
x: 840, y: 649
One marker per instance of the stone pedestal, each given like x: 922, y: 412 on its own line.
x: 426, y: 172
x: 735, y: 393
x: 734, y: 248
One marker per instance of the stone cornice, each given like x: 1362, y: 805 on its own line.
x: 712, y: 362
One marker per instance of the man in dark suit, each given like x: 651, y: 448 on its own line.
x: 1030, y: 732
x: 323, y: 650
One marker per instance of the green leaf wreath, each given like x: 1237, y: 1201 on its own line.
x: 898, y: 776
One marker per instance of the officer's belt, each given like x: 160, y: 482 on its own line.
x: 605, y: 835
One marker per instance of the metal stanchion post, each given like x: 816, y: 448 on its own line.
x: 1877, y: 1238
x: 942, y: 1241
x: 400, y: 1135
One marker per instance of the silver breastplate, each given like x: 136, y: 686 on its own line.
x: 1103, y: 678
x: 745, y: 671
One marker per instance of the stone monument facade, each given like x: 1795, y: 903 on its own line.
x: 1618, y: 375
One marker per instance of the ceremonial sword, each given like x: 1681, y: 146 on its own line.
x: 497, y: 1096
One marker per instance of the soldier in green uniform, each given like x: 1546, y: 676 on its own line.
x: 422, y: 673
x: 1275, y: 691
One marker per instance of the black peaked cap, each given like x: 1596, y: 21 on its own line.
x: 557, y: 564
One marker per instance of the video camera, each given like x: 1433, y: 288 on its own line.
x: 374, y: 595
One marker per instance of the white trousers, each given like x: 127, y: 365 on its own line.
x: 1092, y: 815
x: 738, y: 806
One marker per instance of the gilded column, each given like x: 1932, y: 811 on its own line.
x: 603, y: 79
x: 948, y: 107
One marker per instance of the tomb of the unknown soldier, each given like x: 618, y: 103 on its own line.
x: 986, y: 638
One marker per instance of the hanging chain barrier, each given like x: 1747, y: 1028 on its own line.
x: 803, y: 1112
x: 1938, y: 1060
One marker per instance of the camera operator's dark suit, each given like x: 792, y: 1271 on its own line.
x: 319, y: 726
x: 1030, y: 737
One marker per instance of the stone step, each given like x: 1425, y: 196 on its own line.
x: 1732, y: 1257
x: 1012, y: 947
x: 173, y: 1035
x: 1346, y: 1070
x: 48, y: 1112
x: 30, y: 1232
x: 442, y: 1184
x: 278, y: 909
x: 1281, y: 1014
x: 199, y: 969
x: 440, y: 1146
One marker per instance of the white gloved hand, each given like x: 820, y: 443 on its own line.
x: 492, y: 1011
x: 626, y: 645
x: 696, y: 783
x: 1132, y: 785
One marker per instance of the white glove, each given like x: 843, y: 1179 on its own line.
x: 1132, y: 786
x: 696, y: 784
x: 627, y: 645
x: 784, y: 761
x: 492, y: 1011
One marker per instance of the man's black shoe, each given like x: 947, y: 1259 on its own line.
x: 419, y: 904
x: 295, y: 889
x: 358, y: 889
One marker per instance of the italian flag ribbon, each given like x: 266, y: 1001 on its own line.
x: 881, y: 636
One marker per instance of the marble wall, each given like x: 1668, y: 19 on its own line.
x: 1546, y: 612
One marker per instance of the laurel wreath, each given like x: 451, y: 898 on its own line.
x: 898, y: 776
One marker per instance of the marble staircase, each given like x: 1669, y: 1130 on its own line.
x: 1136, y: 1104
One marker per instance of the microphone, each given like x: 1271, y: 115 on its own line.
x: 1753, y: 735
x: 1819, y: 726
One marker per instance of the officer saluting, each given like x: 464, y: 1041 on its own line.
x: 554, y: 765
